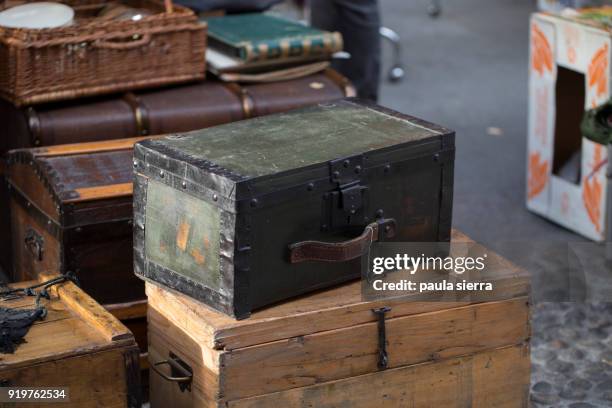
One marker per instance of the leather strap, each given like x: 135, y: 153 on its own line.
x: 341, y: 251
x: 343, y: 83
x: 248, y: 106
x: 141, y: 113
x: 34, y: 126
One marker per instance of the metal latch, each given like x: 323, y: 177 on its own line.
x: 351, y: 198
x: 346, y: 206
x: 383, y: 357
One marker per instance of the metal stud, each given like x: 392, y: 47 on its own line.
x: 162, y: 174
x: 135, y: 163
x: 215, y: 197
x: 254, y: 202
x: 184, y: 184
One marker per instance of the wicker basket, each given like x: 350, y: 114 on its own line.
x: 94, y: 56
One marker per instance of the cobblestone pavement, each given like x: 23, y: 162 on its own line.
x: 572, y: 355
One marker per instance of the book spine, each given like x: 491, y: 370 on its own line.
x: 319, y: 45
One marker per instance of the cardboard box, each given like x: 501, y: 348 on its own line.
x: 555, y: 6
x: 569, y: 73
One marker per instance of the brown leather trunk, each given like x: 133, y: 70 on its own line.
x: 169, y: 110
x: 176, y: 109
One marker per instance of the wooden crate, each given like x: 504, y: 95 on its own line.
x: 322, y: 350
x: 134, y: 316
x: 78, y: 345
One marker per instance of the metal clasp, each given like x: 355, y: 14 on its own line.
x: 383, y: 358
x: 34, y: 242
x: 346, y: 206
x: 346, y: 170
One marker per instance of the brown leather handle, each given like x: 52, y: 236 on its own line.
x: 342, y: 251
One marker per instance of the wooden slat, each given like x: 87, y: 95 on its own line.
x: 90, y: 147
x: 351, y: 351
x: 92, y: 313
x: 25, y: 181
x: 497, y: 378
x: 144, y: 361
x: 327, y: 310
x: 52, y: 341
x: 314, y: 358
x: 102, y: 192
x: 96, y: 379
x: 130, y: 310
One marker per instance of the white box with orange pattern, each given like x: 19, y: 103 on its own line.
x: 569, y: 73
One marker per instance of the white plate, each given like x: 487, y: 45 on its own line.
x: 37, y: 15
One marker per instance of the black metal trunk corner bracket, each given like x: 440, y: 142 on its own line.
x: 383, y: 358
x: 180, y: 372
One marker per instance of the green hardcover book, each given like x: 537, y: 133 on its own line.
x: 260, y: 37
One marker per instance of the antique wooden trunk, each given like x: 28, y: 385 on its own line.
x: 323, y: 350
x: 71, y: 208
x: 174, y: 109
x: 78, y: 346
x: 227, y: 214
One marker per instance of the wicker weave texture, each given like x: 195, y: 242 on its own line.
x: 95, y: 57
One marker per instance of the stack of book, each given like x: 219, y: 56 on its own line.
x: 259, y: 47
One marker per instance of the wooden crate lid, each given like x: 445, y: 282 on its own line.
x: 53, y: 177
x: 326, y: 310
x: 75, y: 325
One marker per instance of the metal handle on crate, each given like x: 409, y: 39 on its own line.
x: 345, y: 250
x: 178, y: 373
